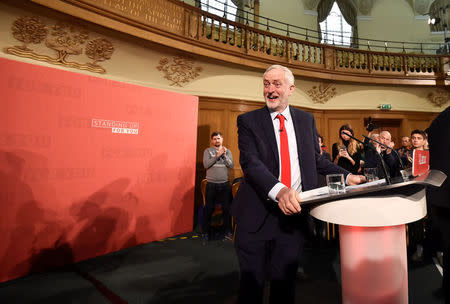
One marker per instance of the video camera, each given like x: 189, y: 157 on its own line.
x: 371, y: 126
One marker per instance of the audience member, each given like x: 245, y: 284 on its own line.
x: 280, y: 156
x: 321, y: 179
x: 406, y: 146
x: 347, y: 153
x: 217, y: 160
x: 374, y: 151
x: 417, y: 229
x: 419, y: 141
x: 322, y: 144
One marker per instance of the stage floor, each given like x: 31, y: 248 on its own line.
x: 183, y: 270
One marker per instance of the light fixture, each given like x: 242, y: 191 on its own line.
x: 434, y: 20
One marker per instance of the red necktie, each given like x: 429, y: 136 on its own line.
x: 284, y: 152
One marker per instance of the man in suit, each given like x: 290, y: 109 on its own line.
x: 439, y: 198
x: 280, y: 157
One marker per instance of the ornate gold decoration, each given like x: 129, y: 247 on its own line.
x: 66, y: 39
x: 99, y: 49
x: 322, y: 93
x: 179, y: 70
x: 29, y: 30
x: 439, y: 97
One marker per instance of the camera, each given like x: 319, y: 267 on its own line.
x: 371, y: 126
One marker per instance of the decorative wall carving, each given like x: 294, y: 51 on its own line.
x: 322, y: 93
x: 64, y: 38
x: 439, y: 97
x: 179, y: 69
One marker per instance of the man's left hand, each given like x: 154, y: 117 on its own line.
x: 354, y: 179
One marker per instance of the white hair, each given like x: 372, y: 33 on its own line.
x: 287, y: 73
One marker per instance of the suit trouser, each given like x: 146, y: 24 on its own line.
x: 441, y: 223
x: 271, y: 253
x: 217, y: 193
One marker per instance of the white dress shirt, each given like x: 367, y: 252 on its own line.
x: 296, y: 178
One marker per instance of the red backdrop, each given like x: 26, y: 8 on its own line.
x: 89, y: 166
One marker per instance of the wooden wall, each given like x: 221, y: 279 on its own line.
x: 217, y: 114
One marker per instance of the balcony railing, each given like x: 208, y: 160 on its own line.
x: 185, y: 27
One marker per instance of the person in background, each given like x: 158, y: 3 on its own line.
x: 217, y: 159
x: 375, y: 152
x: 371, y: 159
x: 391, y: 160
x: 439, y: 198
x: 418, y: 141
x: 406, y: 147
x: 323, y: 148
x: 417, y: 229
x: 347, y: 153
x: 269, y: 234
x: 322, y: 145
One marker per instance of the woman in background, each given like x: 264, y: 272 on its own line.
x: 347, y: 153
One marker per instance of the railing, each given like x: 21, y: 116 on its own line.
x: 179, y: 25
x: 302, y: 33
x: 224, y: 34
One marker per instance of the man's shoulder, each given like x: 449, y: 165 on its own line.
x: 301, y: 113
x: 254, y: 113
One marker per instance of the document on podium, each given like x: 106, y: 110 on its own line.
x: 368, y: 184
x: 324, y: 190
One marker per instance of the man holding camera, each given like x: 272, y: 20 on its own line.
x: 375, y: 152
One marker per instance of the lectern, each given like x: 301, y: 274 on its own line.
x: 372, y: 235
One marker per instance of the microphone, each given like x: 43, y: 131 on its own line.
x: 387, y: 147
x: 383, y: 164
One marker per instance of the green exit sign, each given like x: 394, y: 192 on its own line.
x: 385, y: 106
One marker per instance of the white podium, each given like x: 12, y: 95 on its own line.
x: 372, y: 236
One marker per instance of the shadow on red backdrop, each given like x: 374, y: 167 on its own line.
x: 89, y: 166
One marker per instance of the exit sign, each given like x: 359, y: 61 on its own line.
x: 385, y: 106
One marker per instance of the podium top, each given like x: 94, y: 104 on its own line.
x: 316, y: 197
x: 376, y: 205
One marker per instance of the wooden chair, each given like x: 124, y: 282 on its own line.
x: 234, y: 189
x: 203, y: 189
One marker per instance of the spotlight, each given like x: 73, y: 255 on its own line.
x: 434, y: 20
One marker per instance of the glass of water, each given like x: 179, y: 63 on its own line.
x: 335, y: 183
x: 371, y: 174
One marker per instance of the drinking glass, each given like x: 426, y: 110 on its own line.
x: 335, y: 183
x: 371, y: 174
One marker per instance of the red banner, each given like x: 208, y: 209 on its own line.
x: 89, y: 166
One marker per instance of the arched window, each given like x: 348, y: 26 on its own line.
x: 222, y: 8
x: 335, y: 30
x: 337, y: 22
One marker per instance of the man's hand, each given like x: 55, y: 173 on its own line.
x: 221, y: 152
x: 289, y: 201
x: 353, y: 179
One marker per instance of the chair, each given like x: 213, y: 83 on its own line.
x: 203, y: 189
x: 234, y: 189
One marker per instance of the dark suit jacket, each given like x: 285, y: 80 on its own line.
x: 260, y: 163
x: 440, y: 157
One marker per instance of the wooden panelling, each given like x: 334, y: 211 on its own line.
x: 221, y: 114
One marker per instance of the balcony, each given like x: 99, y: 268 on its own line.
x: 181, y: 26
